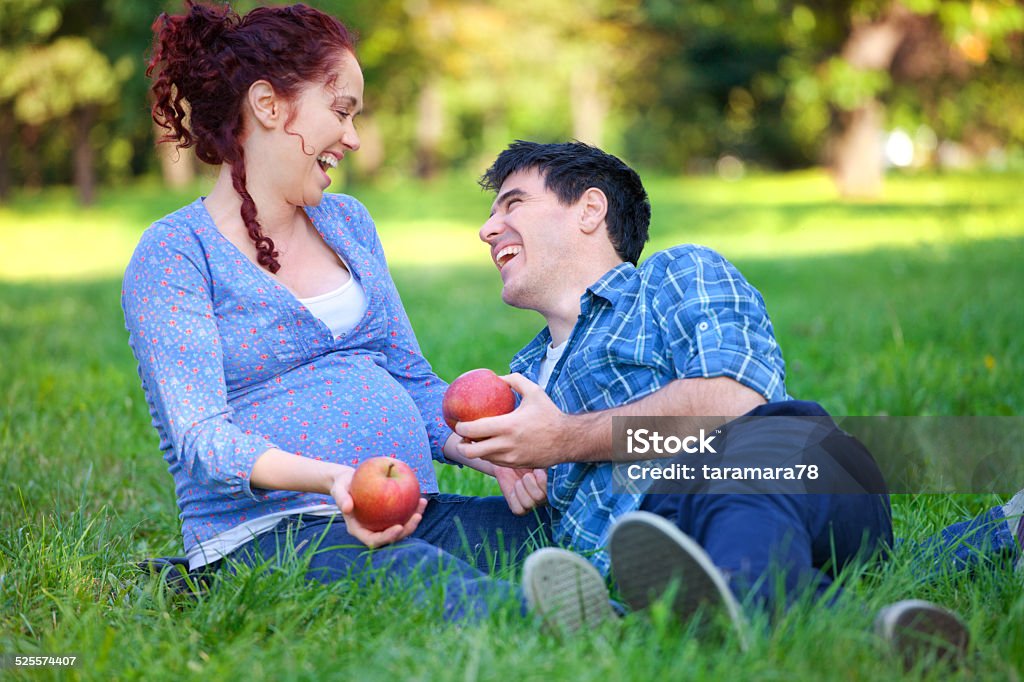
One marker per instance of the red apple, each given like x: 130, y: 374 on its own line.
x: 477, y: 393
x: 384, y: 493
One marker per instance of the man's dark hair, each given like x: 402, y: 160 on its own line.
x: 571, y: 168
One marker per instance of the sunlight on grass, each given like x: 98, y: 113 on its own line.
x: 799, y: 214
x: 56, y: 247
x: 760, y: 217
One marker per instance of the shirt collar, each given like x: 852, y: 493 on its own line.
x: 610, y: 287
x: 526, y: 359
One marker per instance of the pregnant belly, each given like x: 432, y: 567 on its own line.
x: 342, y: 409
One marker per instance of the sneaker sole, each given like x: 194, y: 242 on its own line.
x: 918, y: 630
x: 649, y: 555
x: 565, y: 590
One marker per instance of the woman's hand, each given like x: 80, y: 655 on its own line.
x: 370, y: 538
x: 524, y: 489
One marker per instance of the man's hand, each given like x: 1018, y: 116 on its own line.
x: 536, y: 435
x: 539, y: 435
x: 524, y: 489
x: 370, y: 538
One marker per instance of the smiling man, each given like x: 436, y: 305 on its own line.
x: 683, y: 334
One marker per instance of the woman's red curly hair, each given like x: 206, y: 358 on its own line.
x: 203, y: 62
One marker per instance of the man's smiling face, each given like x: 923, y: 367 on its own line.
x: 531, y: 237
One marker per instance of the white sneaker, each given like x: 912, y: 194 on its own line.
x: 919, y: 630
x: 650, y: 555
x: 566, y: 591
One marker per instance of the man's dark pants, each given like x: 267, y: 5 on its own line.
x: 772, y: 547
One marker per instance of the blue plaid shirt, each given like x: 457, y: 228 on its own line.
x: 685, y: 312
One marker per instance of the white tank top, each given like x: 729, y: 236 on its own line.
x: 340, y: 309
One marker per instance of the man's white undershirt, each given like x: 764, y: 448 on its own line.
x: 552, y: 355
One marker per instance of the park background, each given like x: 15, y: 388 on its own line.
x: 861, y: 162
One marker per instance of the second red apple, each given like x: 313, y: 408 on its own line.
x: 384, y: 493
x: 476, y: 394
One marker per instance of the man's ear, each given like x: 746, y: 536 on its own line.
x: 593, y: 209
x: 265, y: 105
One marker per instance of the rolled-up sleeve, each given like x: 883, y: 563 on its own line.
x: 168, y: 307
x: 717, y: 324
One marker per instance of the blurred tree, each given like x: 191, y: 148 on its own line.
x: 121, y: 30
x: 787, y: 83
x: 916, y: 50
x: 960, y: 72
x: 67, y: 82
x: 64, y: 67
x: 453, y: 82
x: 778, y: 83
x: 22, y: 23
x: 856, y: 78
x: 712, y: 85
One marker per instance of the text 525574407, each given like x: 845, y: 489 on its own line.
x: 38, y: 661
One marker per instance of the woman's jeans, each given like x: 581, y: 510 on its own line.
x: 456, y: 547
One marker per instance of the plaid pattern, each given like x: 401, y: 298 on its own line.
x: 685, y: 312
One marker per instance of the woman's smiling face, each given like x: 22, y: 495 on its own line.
x: 319, y: 130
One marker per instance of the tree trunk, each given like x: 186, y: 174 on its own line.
x: 589, y: 108
x: 858, y: 161
x: 85, y: 167
x: 6, y: 144
x: 429, y: 129
x: 30, y: 157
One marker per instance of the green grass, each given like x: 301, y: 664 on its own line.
x: 908, y: 305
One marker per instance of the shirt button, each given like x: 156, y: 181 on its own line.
x: 703, y: 326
